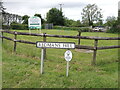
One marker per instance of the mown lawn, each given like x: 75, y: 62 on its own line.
x: 22, y: 69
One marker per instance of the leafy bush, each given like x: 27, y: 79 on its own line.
x: 82, y: 29
x: 19, y: 26
x: 43, y: 26
x: 115, y: 28
x: 5, y: 27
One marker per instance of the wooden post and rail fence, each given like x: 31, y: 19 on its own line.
x: 44, y: 35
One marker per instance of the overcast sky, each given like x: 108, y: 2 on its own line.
x: 71, y: 8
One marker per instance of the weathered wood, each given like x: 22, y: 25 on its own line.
x: 22, y: 33
x: 2, y: 36
x: 95, y: 52
x: 15, y: 37
x: 27, y: 42
x: 108, y: 47
x: 84, y: 47
x: 79, y: 38
x: 44, y: 35
x: 63, y: 36
x: 7, y: 38
x: 21, y: 41
x: 6, y: 31
x: 44, y: 39
x: 30, y: 34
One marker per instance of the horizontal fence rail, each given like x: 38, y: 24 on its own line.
x: 44, y: 35
x: 22, y: 41
x: 63, y: 36
x: 107, y: 47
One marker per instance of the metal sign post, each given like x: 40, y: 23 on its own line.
x: 42, y: 60
x: 67, y: 68
x: 29, y: 31
x: 68, y: 57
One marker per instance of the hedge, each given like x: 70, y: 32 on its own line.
x: 82, y: 29
x: 5, y: 27
x: 115, y: 28
x: 19, y: 26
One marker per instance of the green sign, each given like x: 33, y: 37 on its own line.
x: 34, y: 22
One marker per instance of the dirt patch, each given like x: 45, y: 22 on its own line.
x: 36, y: 72
x: 2, y: 63
x: 84, y: 50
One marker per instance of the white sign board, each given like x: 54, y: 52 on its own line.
x: 34, y: 22
x: 68, y: 55
x: 62, y: 45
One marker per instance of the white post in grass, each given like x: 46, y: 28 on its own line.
x: 40, y: 30
x: 42, y: 60
x: 67, y: 68
x: 29, y: 31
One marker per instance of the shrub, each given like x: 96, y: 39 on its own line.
x: 43, y: 26
x: 82, y: 29
x: 19, y: 26
x: 115, y: 28
x: 5, y: 27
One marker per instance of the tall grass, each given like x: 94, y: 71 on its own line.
x: 22, y: 69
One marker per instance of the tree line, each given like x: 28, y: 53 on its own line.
x: 91, y: 16
x: 9, y: 18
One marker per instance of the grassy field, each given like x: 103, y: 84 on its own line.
x: 22, y: 69
x: 0, y: 63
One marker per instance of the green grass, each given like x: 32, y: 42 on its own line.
x: 22, y: 69
x: 0, y: 63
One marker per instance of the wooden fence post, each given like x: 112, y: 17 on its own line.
x: 95, y: 52
x: 15, y: 37
x: 44, y: 40
x: 79, y: 38
x: 2, y: 36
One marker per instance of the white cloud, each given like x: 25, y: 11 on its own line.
x: 119, y: 5
x: 71, y: 8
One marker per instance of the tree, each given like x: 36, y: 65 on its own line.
x: 68, y: 22
x: 119, y: 16
x: 25, y: 19
x: 2, y: 11
x: 91, y: 13
x: 116, y: 25
x: 2, y: 7
x: 72, y: 23
x: 99, y: 23
x: 78, y: 23
x: 110, y: 20
x: 55, y: 16
x: 39, y: 15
